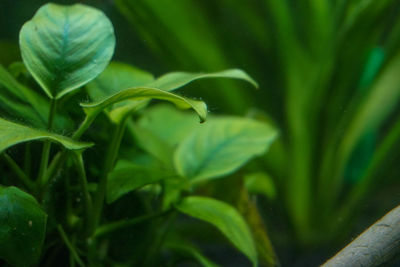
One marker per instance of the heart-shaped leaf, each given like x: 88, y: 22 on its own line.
x: 12, y: 133
x: 22, y: 227
x: 64, y: 47
x: 221, y: 146
x: 226, y: 218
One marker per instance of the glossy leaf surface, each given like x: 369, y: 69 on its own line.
x: 221, y: 146
x: 22, y: 227
x: 64, y: 47
x: 223, y: 216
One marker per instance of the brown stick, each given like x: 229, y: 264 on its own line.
x: 375, y: 246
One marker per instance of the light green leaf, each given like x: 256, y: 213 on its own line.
x: 221, y: 146
x: 226, y: 218
x: 168, y: 124
x: 175, y: 80
x: 260, y: 183
x: 64, y: 47
x: 128, y: 176
x: 161, y: 128
x: 12, y: 133
x: 22, y: 227
x: 146, y: 93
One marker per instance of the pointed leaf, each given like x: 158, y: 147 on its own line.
x: 175, y: 80
x: 22, y: 227
x: 226, y: 218
x: 12, y: 133
x: 146, y: 93
x: 221, y: 146
x: 64, y: 47
x: 116, y: 77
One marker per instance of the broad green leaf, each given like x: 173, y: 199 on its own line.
x: 175, y: 80
x: 146, y: 93
x: 64, y: 47
x: 152, y: 144
x: 260, y: 183
x: 168, y: 124
x: 161, y: 128
x: 221, y: 146
x: 128, y: 176
x: 22, y: 227
x: 12, y: 133
x: 226, y: 218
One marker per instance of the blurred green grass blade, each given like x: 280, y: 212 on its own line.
x: 388, y: 145
x: 185, y: 38
x: 372, y: 113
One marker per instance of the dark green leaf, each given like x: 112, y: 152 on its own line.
x: 22, y: 227
x: 127, y: 177
x: 64, y: 47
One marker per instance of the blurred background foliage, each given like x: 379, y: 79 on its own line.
x: 329, y: 75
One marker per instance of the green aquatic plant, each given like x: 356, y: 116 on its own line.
x: 107, y: 181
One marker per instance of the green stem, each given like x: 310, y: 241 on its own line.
x: 158, y: 242
x: 19, y: 172
x: 115, y: 226
x: 87, y: 201
x: 70, y: 246
x: 84, y: 125
x: 28, y: 159
x: 47, y: 144
x: 111, y: 157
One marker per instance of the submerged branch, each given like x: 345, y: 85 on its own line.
x: 377, y: 245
